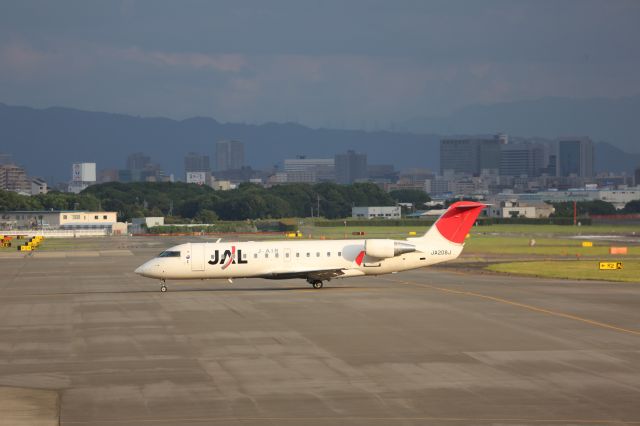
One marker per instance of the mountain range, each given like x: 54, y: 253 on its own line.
x: 47, y: 141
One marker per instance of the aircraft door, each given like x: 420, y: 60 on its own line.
x: 197, y: 257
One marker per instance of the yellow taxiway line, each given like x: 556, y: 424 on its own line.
x: 521, y: 305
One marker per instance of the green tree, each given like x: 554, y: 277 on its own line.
x: 12, y: 201
x: 632, y: 207
x: 583, y: 208
x: 333, y: 203
x: 299, y: 196
x: 206, y: 216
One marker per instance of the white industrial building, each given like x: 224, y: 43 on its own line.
x: 618, y: 197
x: 142, y: 224
x: 58, y: 219
x: 512, y: 208
x: 382, y: 212
x: 199, y: 178
x: 83, y: 175
x: 38, y: 186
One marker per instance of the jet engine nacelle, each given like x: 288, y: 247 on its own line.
x: 387, y: 248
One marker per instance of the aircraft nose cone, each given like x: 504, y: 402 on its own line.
x: 140, y: 270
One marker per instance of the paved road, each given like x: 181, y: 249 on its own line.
x: 423, y: 347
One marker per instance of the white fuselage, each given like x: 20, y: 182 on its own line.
x: 290, y: 259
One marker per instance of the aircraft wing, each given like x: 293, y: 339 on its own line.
x: 325, y: 274
x: 320, y: 274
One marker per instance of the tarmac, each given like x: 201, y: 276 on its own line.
x: 83, y: 340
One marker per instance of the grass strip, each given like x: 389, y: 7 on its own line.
x: 578, y: 270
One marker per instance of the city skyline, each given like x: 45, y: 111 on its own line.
x: 468, y: 167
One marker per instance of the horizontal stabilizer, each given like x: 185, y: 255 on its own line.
x: 469, y: 206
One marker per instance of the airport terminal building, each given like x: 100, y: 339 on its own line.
x: 58, y: 219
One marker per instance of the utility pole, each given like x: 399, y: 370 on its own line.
x: 318, y: 209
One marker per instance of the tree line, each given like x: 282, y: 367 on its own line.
x: 182, y: 202
x: 595, y: 207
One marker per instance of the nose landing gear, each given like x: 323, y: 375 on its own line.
x: 163, y: 286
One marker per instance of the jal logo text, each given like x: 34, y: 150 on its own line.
x: 228, y: 257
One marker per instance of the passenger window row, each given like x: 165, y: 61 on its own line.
x: 308, y: 254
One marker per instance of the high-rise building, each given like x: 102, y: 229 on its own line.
x: 197, y: 168
x: 636, y: 176
x: 14, y: 178
x: 382, y: 173
x: 575, y: 157
x: 138, y: 161
x: 311, y: 170
x: 522, y: 159
x: 196, y: 163
x: 350, y: 167
x: 552, y: 166
x: 153, y: 173
x: 472, y: 156
x: 229, y: 155
x: 415, y: 177
x: 515, y: 161
x: 458, y: 156
x: 125, y: 175
x: 438, y: 186
x: 140, y: 169
x: 108, y: 175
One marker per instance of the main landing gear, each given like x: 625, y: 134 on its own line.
x: 317, y: 284
x: 163, y: 286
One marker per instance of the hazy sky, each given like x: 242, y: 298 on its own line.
x: 343, y: 63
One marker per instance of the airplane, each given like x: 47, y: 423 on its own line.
x: 316, y: 261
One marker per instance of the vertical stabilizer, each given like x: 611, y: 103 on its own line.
x: 454, y: 225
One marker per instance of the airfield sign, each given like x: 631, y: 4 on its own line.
x: 610, y: 265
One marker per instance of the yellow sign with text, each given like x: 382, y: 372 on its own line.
x: 610, y: 265
x: 587, y: 244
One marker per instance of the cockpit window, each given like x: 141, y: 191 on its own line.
x: 169, y: 253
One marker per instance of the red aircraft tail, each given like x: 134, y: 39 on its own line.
x: 456, y: 222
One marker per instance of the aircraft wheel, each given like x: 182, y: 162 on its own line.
x: 163, y: 288
x: 317, y: 284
